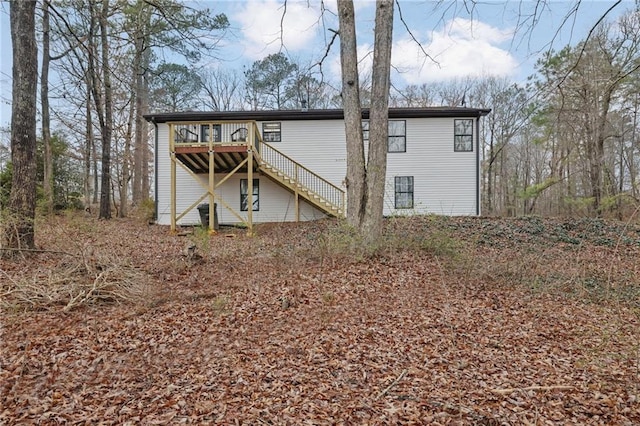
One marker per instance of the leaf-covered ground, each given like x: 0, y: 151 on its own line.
x: 448, y: 321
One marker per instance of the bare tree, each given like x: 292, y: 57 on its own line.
x: 102, y: 95
x: 20, y: 229
x: 47, y: 184
x: 365, y: 184
x: 221, y: 89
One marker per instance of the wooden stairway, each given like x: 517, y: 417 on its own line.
x: 285, y: 171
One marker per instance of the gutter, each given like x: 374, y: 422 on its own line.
x: 478, y: 166
x: 155, y: 171
x: 323, y: 114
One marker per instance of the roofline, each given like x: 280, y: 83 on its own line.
x: 315, y: 114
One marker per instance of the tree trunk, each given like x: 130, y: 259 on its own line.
x: 366, y: 183
x: 19, y: 229
x: 88, y: 145
x: 378, y: 122
x: 47, y: 184
x: 107, y: 125
x: 146, y: 152
x: 96, y: 94
x: 356, y: 172
x: 140, y: 187
x: 125, y: 176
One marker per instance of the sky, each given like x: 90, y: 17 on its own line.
x: 492, y: 38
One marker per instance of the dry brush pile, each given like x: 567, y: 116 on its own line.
x: 445, y: 321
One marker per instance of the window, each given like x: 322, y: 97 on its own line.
x: 271, y: 132
x: 463, y: 135
x: 397, y: 135
x: 244, y: 195
x: 404, y: 192
x: 204, y: 133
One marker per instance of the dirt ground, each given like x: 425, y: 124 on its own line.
x: 450, y: 321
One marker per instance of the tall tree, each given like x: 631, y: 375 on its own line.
x: 100, y: 75
x: 47, y: 183
x: 268, y: 82
x: 136, y: 29
x: 140, y: 15
x: 166, y: 25
x: 356, y: 169
x: 221, y: 89
x: 584, y: 85
x: 20, y: 229
x: 175, y: 87
x: 366, y: 184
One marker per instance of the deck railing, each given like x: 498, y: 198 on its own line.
x: 216, y: 132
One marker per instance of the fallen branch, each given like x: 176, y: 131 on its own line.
x: 534, y: 388
x: 20, y: 250
x: 395, y: 382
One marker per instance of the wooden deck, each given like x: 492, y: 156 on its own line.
x: 238, y: 147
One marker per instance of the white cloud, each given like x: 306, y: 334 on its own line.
x: 265, y: 31
x: 462, y: 48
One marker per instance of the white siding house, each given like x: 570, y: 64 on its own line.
x: 432, y: 167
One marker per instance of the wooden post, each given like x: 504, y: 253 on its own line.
x: 344, y: 204
x: 250, y: 184
x: 296, y: 185
x: 172, y: 152
x: 212, y: 174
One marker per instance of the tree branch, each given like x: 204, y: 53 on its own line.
x: 406, y: 27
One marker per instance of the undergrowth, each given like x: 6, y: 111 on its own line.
x: 85, y: 278
x: 342, y: 240
x: 593, y: 260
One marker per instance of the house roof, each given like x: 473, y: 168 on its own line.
x: 312, y: 114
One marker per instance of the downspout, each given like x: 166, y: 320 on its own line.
x: 155, y: 171
x: 478, y: 165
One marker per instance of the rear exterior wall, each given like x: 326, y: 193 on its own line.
x: 445, y: 182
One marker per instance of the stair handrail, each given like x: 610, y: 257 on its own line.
x: 334, y: 194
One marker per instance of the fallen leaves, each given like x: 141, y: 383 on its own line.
x: 406, y: 337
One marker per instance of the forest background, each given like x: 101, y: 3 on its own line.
x: 560, y: 78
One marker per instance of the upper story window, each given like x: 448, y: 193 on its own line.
x: 463, y: 135
x: 397, y: 136
x: 397, y: 141
x: 271, y: 132
x: 204, y: 133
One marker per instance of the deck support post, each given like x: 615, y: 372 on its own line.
x: 250, y: 185
x: 296, y: 173
x: 212, y: 186
x: 172, y: 152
